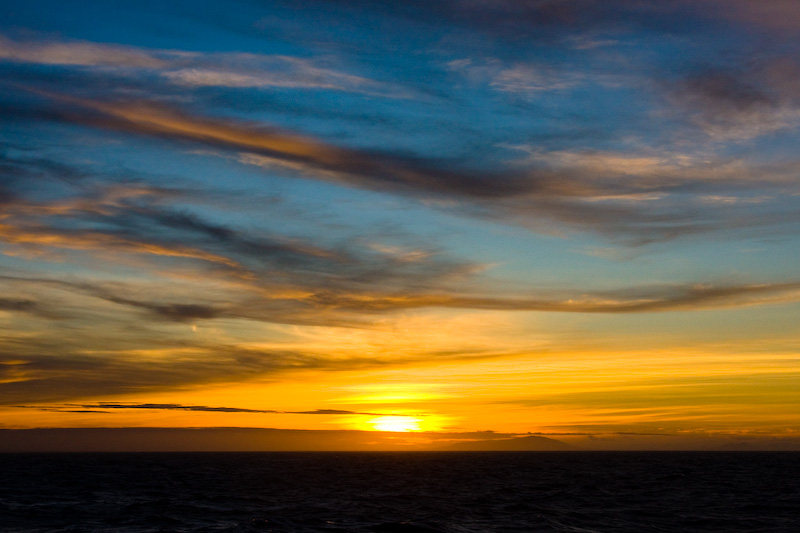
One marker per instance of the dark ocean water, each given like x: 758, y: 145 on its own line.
x: 401, y: 492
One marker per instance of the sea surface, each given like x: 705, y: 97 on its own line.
x: 413, y: 492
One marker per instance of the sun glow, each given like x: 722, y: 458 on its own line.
x: 395, y: 423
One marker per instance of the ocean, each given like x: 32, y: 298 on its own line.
x: 412, y: 492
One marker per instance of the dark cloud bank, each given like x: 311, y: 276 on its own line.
x: 104, y: 407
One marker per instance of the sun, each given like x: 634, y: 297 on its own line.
x: 395, y: 423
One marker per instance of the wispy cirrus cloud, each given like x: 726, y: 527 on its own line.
x: 195, y: 69
x: 521, y: 78
x: 156, y: 233
x: 78, y: 53
x: 362, y: 168
x: 251, y: 70
x: 341, y: 302
x: 274, y: 279
x: 629, y: 300
x: 38, y: 371
x: 34, y: 369
x: 580, y: 189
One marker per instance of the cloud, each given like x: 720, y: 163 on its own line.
x: 653, y: 176
x: 255, y: 274
x: 593, y: 193
x: 361, y: 168
x: 99, y: 406
x: 333, y: 412
x: 270, y: 278
x: 548, y: 196
x: 112, y: 358
x: 88, y: 366
x: 741, y: 104
x: 92, y: 240
x: 239, y: 70
x: 548, y: 21
x: 14, y: 304
x: 101, y: 214
x: 772, y: 15
x: 195, y: 69
x: 107, y: 353
x: 79, y: 53
x: 582, y: 193
x: 514, y: 78
x: 343, y: 302
x: 175, y: 311
x: 535, y: 22
x: 630, y: 300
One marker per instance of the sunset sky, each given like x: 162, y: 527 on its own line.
x: 558, y: 217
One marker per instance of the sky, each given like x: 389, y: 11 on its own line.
x: 569, y: 218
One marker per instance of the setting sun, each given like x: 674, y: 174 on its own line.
x: 395, y: 423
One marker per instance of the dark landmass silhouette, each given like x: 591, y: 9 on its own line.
x: 235, y: 439
x: 231, y: 439
x: 519, y: 444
